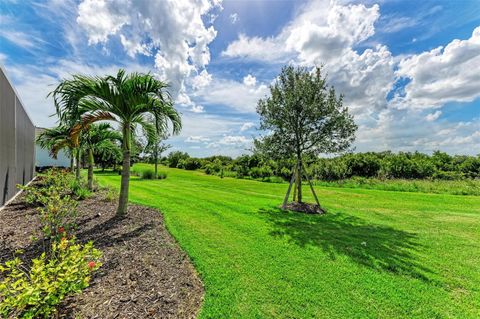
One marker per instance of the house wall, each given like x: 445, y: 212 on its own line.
x: 17, y: 142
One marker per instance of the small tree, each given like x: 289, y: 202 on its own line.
x: 95, y: 136
x: 127, y: 99
x: 303, y: 117
x: 156, y: 146
x: 56, y: 139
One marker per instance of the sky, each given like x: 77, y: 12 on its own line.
x: 409, y: 70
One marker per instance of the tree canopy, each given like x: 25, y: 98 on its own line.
x: 303, y: 116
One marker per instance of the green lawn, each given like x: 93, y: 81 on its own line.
x: 376, y: 254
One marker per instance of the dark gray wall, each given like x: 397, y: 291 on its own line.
x: 17, y: 142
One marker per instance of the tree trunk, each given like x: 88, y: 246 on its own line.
x: 71, y: 160
x: 77, y: 173
x: 90, y: 169
x: 123, y: 199
x: 156, y: 160
x: 299, y: 180
x: 295, y: 187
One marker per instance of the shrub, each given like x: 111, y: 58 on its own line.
x: 54, y: 181
x: 148, y: 174
x: 58, y: 216
x: 162, y: 175
x: 190, y: 164
x: 37, y: 292
x: 82, y: 193
x: 175, y: 157
x: 449, y: 176
x: 111, y: 195
x: 261, y: 172
x: 362, y: 164
x: 80, y: 189
x: 34, y: 195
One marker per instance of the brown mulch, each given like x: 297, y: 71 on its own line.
x: 305, y: 208
x: 145, y: 274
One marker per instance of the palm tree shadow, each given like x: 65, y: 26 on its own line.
x: 378, y: 247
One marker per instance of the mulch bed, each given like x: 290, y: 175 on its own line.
x: 145, y: 274
x: 305, y: 208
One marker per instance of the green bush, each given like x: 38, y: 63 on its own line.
x: 148, y: 174
x: 58, y: 216
x: 53, y: 181
x: 175, y: 157
x: 189, y: 164
x: 261, y: 172
x: 162, y: 175
x: 111, y: 195
x: 79, y: 189
x: 36, y: 293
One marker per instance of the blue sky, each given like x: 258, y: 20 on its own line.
x: 408, y: 69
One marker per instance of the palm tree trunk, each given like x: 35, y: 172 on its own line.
x: 123, y: 199
x: 90, y: 169
x: 71, y: 161
x: 156, y: 160
x: 77, y: 173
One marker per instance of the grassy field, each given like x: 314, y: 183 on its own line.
x: 375, y: 254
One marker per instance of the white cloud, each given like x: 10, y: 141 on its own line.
x: 197, y: 109
x: 239, y: 143
x: 173, y: 31
x: 249, y: 80
x: 268, y: 49
x: 183, y: 99
x: 234, y: 139
x: 197, y: 139
x: 201, y: 80
x: 234, y: 18
x: 394, y: 23
x: 101, y: 19
x: 442, y: 75
x: 232, y: 94
x: 211, y: 127
x: 408, y: 130
x: 246, y: 126
x: 18, y: 38
x: 325, y: 33
x: 433, y: 116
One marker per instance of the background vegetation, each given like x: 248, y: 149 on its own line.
x: 413, y: 172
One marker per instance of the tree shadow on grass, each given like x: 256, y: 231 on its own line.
x: 378, y: 247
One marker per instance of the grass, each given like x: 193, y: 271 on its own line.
x: 375, y: 254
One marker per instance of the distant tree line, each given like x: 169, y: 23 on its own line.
x: 384, y: 165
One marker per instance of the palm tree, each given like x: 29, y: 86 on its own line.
x: 56, y: 139
x: 95, y: 136
x: 125, y: 99
x: 156, y: 146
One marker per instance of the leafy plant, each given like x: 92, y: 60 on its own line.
x: 35, y: 293
x: 111, y: 194
x: 148, y: 174
x: 162, y: 175
x: 58, y: 216
x: 80, y: 189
